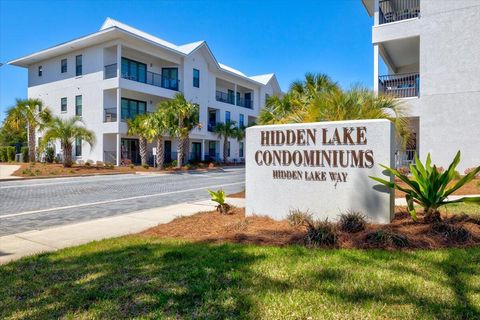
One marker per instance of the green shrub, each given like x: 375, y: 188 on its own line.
x: 145, y: 166
x: 451, y: 232
x: 352, y: 221
x: 173, y: 163
x: 298, y: 218
x: 3, y: 154
x: 219, y: 197
x: 88, y: 164
x: 49, y: 154
x: 109, y: 165
x: 428, y: 187
x: 321, y: 233
x: 24, y: 152
x: 10, y: 153
x: 132, y: 166
x: 387, y: 238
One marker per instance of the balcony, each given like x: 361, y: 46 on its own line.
x: 211, y: 126
x: 225, y: 97
x: 397, y: 10
x: 400, y: 85
x: 110, y: 115
x: 246, y: 103
x: 151, y: 78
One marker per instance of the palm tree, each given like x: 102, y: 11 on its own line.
x: 31, y: 114
x: 227, y: 130
x: 185, y: 117
x: 67, y: 131
x: 137, y: 127
x: 158, y: 124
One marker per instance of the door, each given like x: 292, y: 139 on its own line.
x: 170, y: 78
x: 196, y: 151
x: 168, y: 151
x: 248, y: 100
x: 212, y: 150
x: 130, y: 150
x: 212, y: 120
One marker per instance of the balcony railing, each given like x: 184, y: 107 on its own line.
x: 110, y: 115
x: 404, y: 158
x: 211, y: 126
x: 225, y: 97
x: 400, y: 85
x: 397, y: 10
x: 151, y: 78
x: 246, y: 103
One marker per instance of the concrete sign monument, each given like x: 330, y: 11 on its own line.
x: 321, y: 167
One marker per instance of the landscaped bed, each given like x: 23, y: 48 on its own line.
x: 235, y: 227
x: 52, y: 169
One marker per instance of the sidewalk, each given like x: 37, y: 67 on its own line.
x: 16, y: 246
x: 6, y: 171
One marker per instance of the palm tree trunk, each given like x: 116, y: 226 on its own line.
x: 160, y: 154
x: 143, y: 150
x: 67, y: 155
x: 31, y: 143
x: 180, y: 152
x: 225, y: 149
x: 186, y: 150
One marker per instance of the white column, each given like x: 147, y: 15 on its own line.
x: 376, y: 12
x: 119, y: 60
x: 119, y: 149
x: 203, y: 150
x: 235, y: 95
x: 375, y: 68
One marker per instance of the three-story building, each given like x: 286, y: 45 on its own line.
x: 118, y: 72
x: 431, y: 49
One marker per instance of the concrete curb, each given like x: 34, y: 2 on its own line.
x: 16, y: 246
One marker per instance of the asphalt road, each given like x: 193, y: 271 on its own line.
x: 38, y: 204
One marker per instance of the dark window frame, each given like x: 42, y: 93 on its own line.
x: 229, y: 118
x: 129, y: 114
x: 196, y: 78
x: 40, y: 71
x: 240, y: 149
x: 78, y: 147
x: 62, y: 105
x: 129, y: 65
x: 63, y: 66
x: 78, y: 107
x: 79, y: 65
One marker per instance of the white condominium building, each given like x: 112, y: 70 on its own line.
x: 432, y: 51
x: 118, y: 72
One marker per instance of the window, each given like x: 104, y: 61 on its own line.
x: 228, y: 149
x: 78, y: 65
x: 64, y: 65
x: 240, y: 149
x: 170, y: 78
x: 227, y: 116
x: 196, y: 78
x: 241, y: 121
x: 134, y: 70
x: 267, y: 96
x: 230, y: 96
x: 63, y: 105
x: 40, y: 71
x: 131, y: 108
x: 78, y: 106
x: 78, y: 147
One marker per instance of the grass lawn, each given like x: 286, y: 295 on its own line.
x: 144, y: 277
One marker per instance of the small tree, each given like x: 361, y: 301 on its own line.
x: 157, y: 124
x: 228, y: 130
x: 137, y: 127
x: 67, y: 131
x: 29, y: 113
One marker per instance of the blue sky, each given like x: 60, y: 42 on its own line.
x: 289, y: 38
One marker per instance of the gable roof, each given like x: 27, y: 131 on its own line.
x: 107, y: 30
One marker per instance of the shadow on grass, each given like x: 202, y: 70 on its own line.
x: 152, y: 280
x: 142, y: 277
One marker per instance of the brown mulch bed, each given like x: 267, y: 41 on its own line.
x: 53, y: 169
x: 236, y: 227
x: 240, y: 194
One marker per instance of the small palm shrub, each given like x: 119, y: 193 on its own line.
x: 298, y: 218
x: 429, y: 188
x: 219, y: 197
x: 49, y: 154
x: 132, y: 166
x: 109, y: 165
x: 321, y: 233
x: 451, y: 232
x: 145, y: 166
x: 352, y: 221
x: 386, y: 238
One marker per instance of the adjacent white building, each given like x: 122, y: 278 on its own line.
x: 432, y: 51
x: 118, y: 72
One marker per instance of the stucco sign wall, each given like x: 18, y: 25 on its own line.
x: 321, y: 167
